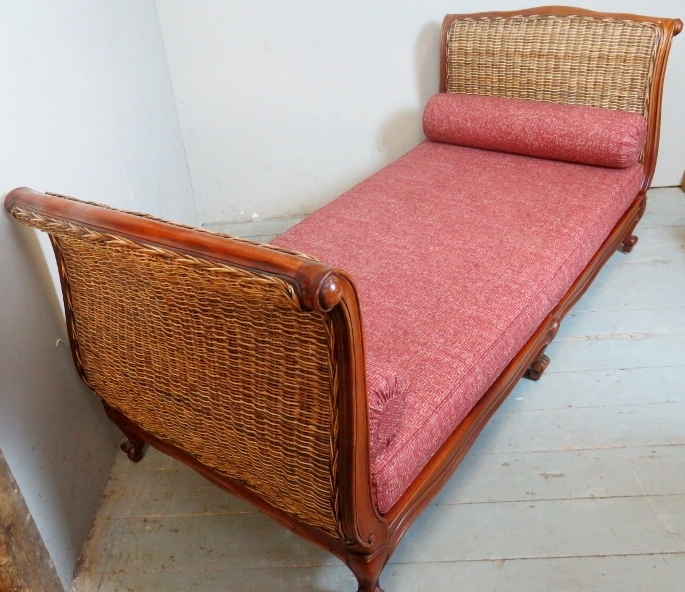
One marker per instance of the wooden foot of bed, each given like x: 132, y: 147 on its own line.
x: 367, y: 570
x: 628, y: 244
x: 134, y: 448
x: 538, y: 367
x: 629, y: 239
x: 363, y: 588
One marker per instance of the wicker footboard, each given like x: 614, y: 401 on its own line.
x: 220, y: 349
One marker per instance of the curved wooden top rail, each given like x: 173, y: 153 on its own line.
x: 564, y: 11
x: 318, y: 286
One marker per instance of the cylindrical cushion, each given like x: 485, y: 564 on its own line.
x: 573, y: 133
x: 387, y: 392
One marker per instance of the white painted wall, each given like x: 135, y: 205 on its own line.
x: 86, y: 109
x: 284, y: 105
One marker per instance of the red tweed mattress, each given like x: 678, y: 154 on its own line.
x: 458, y: 255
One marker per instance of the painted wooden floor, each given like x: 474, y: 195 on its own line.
x: 258, y: 230
x: 577, y: 483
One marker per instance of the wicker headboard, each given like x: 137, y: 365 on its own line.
x: 573, y: 59
x: 563, y: 55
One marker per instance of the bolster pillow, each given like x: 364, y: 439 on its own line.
x: 574, y: 133
x: 387, y: 395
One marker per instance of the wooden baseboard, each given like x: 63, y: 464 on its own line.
x: 25, y: 565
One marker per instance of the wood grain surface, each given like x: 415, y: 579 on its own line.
x: 25, y: 565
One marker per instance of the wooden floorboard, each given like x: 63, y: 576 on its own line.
x: 600, y: 388
x: 567, y: 474
x: 577, y: 483
x: 260, y: 230
x: 646, y: 573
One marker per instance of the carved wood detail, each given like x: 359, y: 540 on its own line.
x: 134, y: 447
x: 538, y: 367
x: 630, y: 240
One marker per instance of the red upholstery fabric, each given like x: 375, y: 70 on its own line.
x: 458, y: 255
x: 387, y: 388
x: 587, y: 135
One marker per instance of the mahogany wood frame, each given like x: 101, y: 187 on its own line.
x: 371, y: 537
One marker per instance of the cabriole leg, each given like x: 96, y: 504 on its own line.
x: 134, y: 447
x: 368, y: 586
x: 629, y: 239
x: 367, y: 570
x: 540, y: 363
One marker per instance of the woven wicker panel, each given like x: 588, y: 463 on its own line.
x: 216, y: 360
x: 564, y: 59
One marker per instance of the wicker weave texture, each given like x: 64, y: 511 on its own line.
x: 216, y: 360
x: 576, y: 60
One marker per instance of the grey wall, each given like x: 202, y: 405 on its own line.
x: 86, y: 109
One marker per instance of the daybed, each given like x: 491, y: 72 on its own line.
x: 253, y: 364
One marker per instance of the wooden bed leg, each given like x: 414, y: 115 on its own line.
x: 538, y: 367
x: 134, y: 447
x: 628, y: 243
x: 540, y: 363
x: 367, y: 570
x: 629, y: 239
